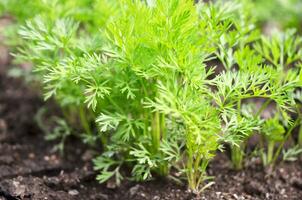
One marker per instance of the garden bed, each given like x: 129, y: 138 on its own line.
x: 140, y: 117
x: 29, y: 169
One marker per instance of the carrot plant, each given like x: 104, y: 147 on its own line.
x: 145, y: 84
x: 231, y: 85
x: 261, y: 71
x: 51, y: 39
x: 282, y: 51
x: 157, y: 69
x: 167, y: 83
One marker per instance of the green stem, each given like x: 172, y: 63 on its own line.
x: 163, y: 126
x: 285, y: 139
x: 164, y: 168
x: 270, y: 152
x: 84, y: 121
x: 196, y: 171
x: 196, y: 161
x: 156, y: 131
x: 66, y: 115
x: 237, y: 157
x: 146, y: 121
x: 115, y: 104
x: 300, y: 136
x: 263, y: 155
x: 202, y: 174
x: 266, y: 158
x: 192, y: 170
x: 300, y: 128
x: 239, y: 106
x: 237, y: 152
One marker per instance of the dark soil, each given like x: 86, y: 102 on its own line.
x: 29, y: 169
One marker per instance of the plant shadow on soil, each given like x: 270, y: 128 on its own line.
x: 29, y: 169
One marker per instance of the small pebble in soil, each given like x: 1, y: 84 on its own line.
x: 73, y: 192
x: 31, y: 155
x: 46, y: 158
x: 19, y: 188
x: 111, y: 184
x: 3, y: 126
x: 134, y: 190
x: 218, y: 194
x: 156, y: 198
x: 56, y: 160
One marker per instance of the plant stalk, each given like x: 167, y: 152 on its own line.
x: 158, y: 132
x: 285, y: 139
x: 300, y: 136
x: 237, y: 157
x: 270, y: 152
x: 84, y: 121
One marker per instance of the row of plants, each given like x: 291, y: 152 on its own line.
x: 162, y: 85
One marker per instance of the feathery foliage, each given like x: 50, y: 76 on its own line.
x: 167, y: 83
